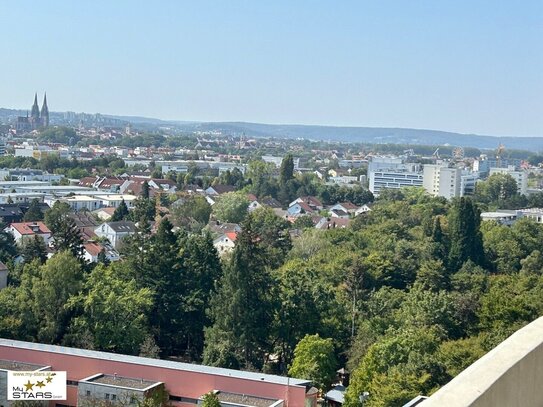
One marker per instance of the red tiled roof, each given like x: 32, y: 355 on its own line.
x: 25, y: 228
x: 110, y: 210
x: 93, y: 248
x: 348, y: 205
x: 232, y: 236
x: 223, y: 189
x: 87, y: 181
x: 108, y: 182
x: 87, y: 234
x: 305, y: 207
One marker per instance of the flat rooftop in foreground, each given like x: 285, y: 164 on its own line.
x: 129, y: 382
x: 245, y: 400
x: 166, y: 364
x: 19, y: 366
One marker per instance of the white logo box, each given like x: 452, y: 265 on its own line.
x: 36, y: 385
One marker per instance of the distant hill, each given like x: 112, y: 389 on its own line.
x: 374, y: 135
x: 377, y: 135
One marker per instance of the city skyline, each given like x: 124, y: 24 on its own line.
x: 456, y: 66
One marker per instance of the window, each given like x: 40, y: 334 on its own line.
x: 113, y: 397
x: 88, y: 393
x: 186, y: 400
x: 107, y: 396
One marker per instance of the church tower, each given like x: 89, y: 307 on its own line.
x: 45, y: 112
x: 35, y: 114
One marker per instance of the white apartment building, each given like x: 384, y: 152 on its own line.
x: 520, y: 177
x: 440, y: 180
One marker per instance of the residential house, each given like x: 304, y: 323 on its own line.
x: 313, y: 202
x: 167, y: 185
x: 363, y: 209
x: 219, y: 228
x: 332, y: 223
x: 10, y: 213
x: 134, y: 185
x: 225, y: 243
x: 271, y: 203
x: 348, y: 207
x: 88, y: 182
x: 91, y: 251
x: 110, y: 184
x: 339, y: 213
x: 115, y: 232
x: 105, y: 213
x: 25, y: 230
x: 299, y: 208
x: 86, y: 224
x: 253, y: 202
x: 219, y: 190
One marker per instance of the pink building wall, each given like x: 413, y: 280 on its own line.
x: 178, y: 382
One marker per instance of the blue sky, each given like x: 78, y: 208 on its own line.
x: 467, y: 66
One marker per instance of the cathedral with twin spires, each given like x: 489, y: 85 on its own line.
x: 38, y: 118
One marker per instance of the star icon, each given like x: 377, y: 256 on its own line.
x: 48, y: 379
x: 40, y: 384
x: 29, y: 386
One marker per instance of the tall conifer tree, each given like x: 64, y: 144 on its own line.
x: 242, y: 310
x: 464, y: 234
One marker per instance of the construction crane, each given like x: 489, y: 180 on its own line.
x: 436, y: 154
x: 499, y: 153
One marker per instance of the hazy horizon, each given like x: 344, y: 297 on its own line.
x: 449, y: 66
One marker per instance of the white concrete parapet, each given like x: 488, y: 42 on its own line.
x: 510, y: 375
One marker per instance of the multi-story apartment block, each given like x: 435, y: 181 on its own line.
x: 519, y: 176
x: 441, y: 180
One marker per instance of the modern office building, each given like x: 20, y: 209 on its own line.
x: 102, y: 375
x: 380, y: 180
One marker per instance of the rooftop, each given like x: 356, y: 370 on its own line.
x: 123, y: 226
x: 19, y: 366
x: 497, y: 215
x: 166, y: 364
x: 120, y: 381
x: 243, y: 399
x: 30, y: 228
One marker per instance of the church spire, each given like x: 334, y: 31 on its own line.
x: 35, y: 113
x: 45, y: 111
